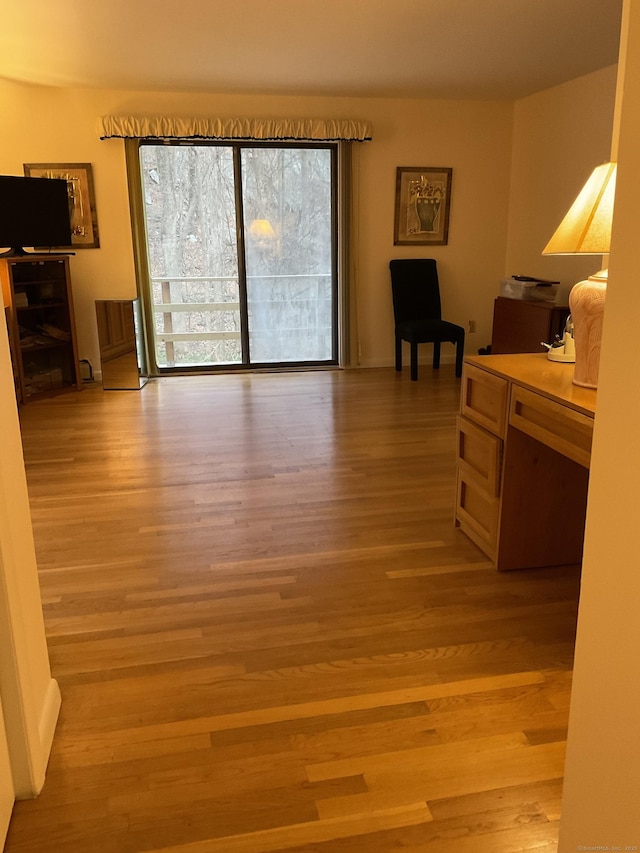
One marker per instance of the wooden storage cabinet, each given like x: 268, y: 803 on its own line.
x: 37, y: 291
x: 521, y: 325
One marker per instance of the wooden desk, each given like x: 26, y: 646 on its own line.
x: 524, y: 448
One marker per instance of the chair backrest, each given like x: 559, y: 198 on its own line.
x: 415, y: 289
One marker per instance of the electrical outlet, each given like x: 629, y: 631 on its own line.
x: 471, y: 326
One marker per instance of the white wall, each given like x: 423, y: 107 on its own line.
x: 7, y: 791
x: 39, y: 125
x: 557, y: 137
x: 560, y: 135
x: 601, y: 805
x: 475, y: 140
x: 30, y: 698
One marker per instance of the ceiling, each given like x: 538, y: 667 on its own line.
x: 496, y: 49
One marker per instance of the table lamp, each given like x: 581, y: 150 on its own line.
x: 586, y: 230
x: 261, y: 229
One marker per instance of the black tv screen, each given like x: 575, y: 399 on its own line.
x: 33, y: 212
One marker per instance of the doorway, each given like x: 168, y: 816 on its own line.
x: 241, y: 252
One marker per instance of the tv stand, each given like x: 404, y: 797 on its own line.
x: 36, y: 289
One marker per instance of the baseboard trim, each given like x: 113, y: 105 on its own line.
x: 46, y: 731
x: 47, y: 727
x: 422, y: 362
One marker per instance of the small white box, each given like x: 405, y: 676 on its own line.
x: 533, y: 291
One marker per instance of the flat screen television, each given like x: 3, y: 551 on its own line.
x: 33, y: 212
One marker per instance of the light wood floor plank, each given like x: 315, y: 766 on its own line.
x: 269, y: 635
x: 311, y: 833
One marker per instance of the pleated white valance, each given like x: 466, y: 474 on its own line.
x: 168, y: 127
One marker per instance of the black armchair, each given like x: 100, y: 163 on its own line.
x: 417, y: 312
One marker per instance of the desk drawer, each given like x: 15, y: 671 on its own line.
x: 563, y: 429
x: 479, y: 455
x: 484, y: 399
x: 477, y: 514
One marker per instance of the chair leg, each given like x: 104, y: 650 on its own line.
x: 414, y: 361
x: 436, y: 354
x: 459, y: 357
x: 398, y: 353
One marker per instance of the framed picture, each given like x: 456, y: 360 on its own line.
x: 423, y: 197
x: 82, y: 202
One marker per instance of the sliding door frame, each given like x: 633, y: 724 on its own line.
x: 340, y: 218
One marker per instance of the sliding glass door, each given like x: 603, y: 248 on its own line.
x: 241, y: 254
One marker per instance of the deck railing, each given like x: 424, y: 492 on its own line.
x: 168, y: 335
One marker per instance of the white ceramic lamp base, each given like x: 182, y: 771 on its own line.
x: 586, y: 302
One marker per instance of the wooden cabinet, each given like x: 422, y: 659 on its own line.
x: 524, y: 447
x: 37, y: 291
x: 521, y: 325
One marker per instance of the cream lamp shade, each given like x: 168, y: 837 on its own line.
x: 261, y: 229
x: 586, y: 230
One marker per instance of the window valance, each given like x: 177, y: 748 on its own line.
x: 168, y: 127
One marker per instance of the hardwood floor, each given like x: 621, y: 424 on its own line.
x: 269, y: 635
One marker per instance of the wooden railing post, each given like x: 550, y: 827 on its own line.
x: 168, y: 322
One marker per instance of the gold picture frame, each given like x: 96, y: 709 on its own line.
x: 423, y: 201
x: 82, y: 202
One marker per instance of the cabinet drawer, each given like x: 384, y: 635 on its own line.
x: 479, y: 455
x: 477, y: 514
x: 563, y: 429
x: 484, y: 399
